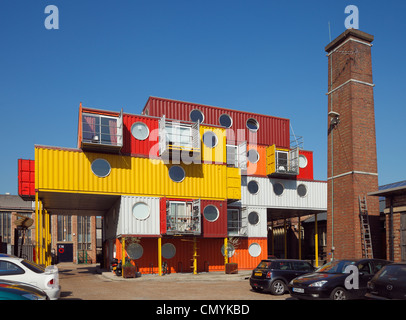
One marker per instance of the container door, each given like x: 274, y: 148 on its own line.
x: 162, y: 136
x: 242, y: 155
x: 294, y: 160
x: 196, y: 216
x: 270, y: 159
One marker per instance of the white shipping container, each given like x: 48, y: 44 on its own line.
x: 138, y: 216
x: 281, y: 193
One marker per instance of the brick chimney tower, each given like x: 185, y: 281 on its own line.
x: 352, y: 159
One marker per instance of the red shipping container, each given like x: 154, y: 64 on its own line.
x: 148, y: 147
x: 270, y: 130
x: 26, y: 178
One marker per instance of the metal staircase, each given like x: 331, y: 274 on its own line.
x: 366, y: 239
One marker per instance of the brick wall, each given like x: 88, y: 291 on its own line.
x: 351, y: 145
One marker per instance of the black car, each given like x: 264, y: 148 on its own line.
x: 273, y: 275
x: 337, y: 280
x: 389, y: 283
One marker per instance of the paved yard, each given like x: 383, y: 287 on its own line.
x: 87, y: 282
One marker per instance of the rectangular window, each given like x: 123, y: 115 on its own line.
x: 178, y: 135
x: 84, y: 233
x: 64, y: 228
x: 99, y: 129
x: 183, y: 217
x: 5, y: 226
x: 236, y: 223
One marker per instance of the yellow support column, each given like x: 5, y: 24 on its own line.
x: 36, y: 229
x: 41, y: 233
x: 194, y: 256
x: 316, y: 242
x: 225, y: 251
x: 160, y: 256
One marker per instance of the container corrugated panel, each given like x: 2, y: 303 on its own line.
x: 133, y: 218
x: 305, y: 165
x: 144, y: 148
x: 26, y: 178
x: 272, y: 130
x: 258, y: 168
x: 257, y: 223
x: 217, y: 228
x: 218, y: 153
x: 70, y: 170
x: 246, y: 252
x: 209, y: 251
x: 315, y: 196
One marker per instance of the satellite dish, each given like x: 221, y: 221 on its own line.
x: 23, y: 222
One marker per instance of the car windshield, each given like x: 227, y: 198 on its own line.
x: 264, y: 264
x: 392, y: 273
x: 336, y: 266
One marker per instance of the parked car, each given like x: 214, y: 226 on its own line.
x: 18, y: 269
x: 273, y: 275
x: 12, y: 290
x: 328, y: 282
x: 389, y: 283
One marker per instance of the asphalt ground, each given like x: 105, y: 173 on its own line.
x: 89, y: 282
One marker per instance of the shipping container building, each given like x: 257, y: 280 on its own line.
x: 183, y: 176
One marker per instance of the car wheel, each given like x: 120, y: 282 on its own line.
x: 278, y: 287
x: 339, y: 294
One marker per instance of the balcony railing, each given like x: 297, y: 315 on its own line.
x: 176, y: 137
x: 281, y: 162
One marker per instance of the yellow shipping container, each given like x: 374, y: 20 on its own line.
x: 70, y: 170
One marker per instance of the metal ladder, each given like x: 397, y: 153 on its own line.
x: 366, y: 239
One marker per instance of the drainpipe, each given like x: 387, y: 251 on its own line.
x: 316, y: 241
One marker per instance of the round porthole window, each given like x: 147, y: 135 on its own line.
x: 253, y: 218
x: 211, y: 213
x: 140, y: 130
x: 253, y: 187
x: 225, y: 121
x: 252, y: 124
x: 177, y: 173
x: 210, y: 139
x: 253, y: 156
x: 135, y: 250
x: 302, y: 161
x: 196, y: 115
x: 101, y: 168
x: 230, y: 250
x: 168, y: 251
x: 301, y: 190
x: 254, y: 249
x: 278, y: 188
x: 140, y: 211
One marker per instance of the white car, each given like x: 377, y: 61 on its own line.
x: 18, y: 269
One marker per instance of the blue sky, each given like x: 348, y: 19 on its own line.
x: 261, y: 56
